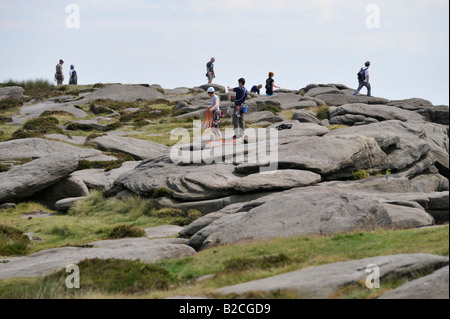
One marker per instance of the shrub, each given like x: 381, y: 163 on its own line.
x: 12, y: 241
x: 271, y: 108
x: 61, y: 231
x: 79, y: 127
x: 116, y: 276
x: 124, y: 231
x: 361, y: 174
x: 10, y: 104
x: 37, y: 127
x: 51, y: 113
x: 41, y: 124
x: 323, y: 113
x: 161, y: 192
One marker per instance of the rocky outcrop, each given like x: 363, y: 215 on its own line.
x: 47, y: 261
x: 37, y: 148
x: 433, y: 286
x: 310, y: 210
x: 26, y: 180
x: 322, y: 281
x: 15, y: 92
x: 139, y: 149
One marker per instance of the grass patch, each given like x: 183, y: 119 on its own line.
x: 12, y: 241
x: 10, y: 106
x: 323, y: 113
x: 126, y: 231
x: 38, y: 127
x: 271, y: 108
x: 239, y: 263
x: 106, y: 165
x: 359, y: 175
x: 104, y: 276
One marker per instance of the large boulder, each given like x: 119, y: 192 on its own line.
x: 47, y: 261
x: 358, y: 113
x: 37, y: 148
x: 15, y: 92
x: 28, y: 179
x: 309, y: 211
x: 125, y: 93
x: 433, y: 286
x: 138, y: 149
x: 331, y: 157
x: 35, y: 110
x: 322, y: 281
x: 405, y: 143
x: 68, y: 187
x: 341, y: 99
x: 436, y: 114
x: 97, y: 178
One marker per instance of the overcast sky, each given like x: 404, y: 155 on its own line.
x: 169, y: 42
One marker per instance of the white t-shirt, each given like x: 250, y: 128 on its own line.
x: 367, y: 74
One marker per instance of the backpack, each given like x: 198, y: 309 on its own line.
x: 362, y: 75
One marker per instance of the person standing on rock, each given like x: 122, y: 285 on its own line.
x: 59, y: 76
x: 238, y: 114
x: 210, y: 70
x: 364, y: 79
x: 215, y: 109
x: 270, y: 84
x: 73, y: 77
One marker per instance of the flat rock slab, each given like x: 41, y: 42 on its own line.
x: 97, y: 178
x: 322, y: 281
x: 51, y: 260
x: 37, y: 148
x: 434, y: 286
x: 163, y: 231
x: 125, y: 93
x: 35, y: 110
x: 139, y: 149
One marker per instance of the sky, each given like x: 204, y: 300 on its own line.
x: 169, y: 42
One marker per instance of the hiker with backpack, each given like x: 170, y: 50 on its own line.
x: 256, y: 89
x: 239, y: 108
x: 73, y: 77
x: 210, y: 70
x: 364, y: 79
x: 270, y: 84
x: 215, y: 109
x: 59, y: 76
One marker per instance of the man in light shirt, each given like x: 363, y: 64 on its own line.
x: 364, y: 79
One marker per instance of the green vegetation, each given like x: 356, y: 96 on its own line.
x: 126, y: 231
x: 10, y: 106
x: 359, y: 175
x: 271, y: 108
x: 108, y: 165
x: 228, y: 265
x: 12, y: 241
x: 38, y: 127
x: 323, y: 113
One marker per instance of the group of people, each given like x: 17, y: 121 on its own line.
x: 59, y: 75
x: 242, y: 94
